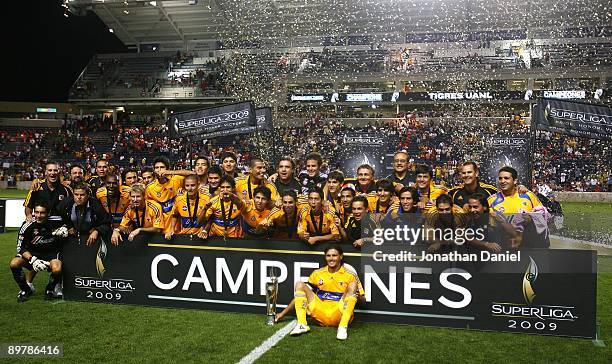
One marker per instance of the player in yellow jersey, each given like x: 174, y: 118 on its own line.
x: 167, y: 186
x: 188, y: 210
x: 523, y: 210
x: 256, y: 212
x: 245, y: 186
x: 128, y: 178
x: 329, y: 297
x: 214, y: 177
x: 343, y: 212
x: 509, y: 200
x: 284, y: 220
x: 201, y: 170
x: 114, y: 199
x: 385, y: 198
x: 229, y: 162
x: 332, y: 191
x: 223, y: 216
x: 428, y: 191
x: 142, y: 217
x: 148, y: 175
x: 316, y: 225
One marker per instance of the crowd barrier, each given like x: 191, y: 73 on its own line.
x: 605, y: 197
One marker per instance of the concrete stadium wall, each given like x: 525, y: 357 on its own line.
x: 584, y: 197
x: 36, y: 123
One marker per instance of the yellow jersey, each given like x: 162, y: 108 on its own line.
x: 323, y: 224
x: 376, y: 207
x: 206, y: 190
x: 165, y: 193
x: 117, y: 208
x: 245, y: 189
x: 225, y: 217
x: 343, y: 215
x: 434, y: 192
x: 329, y: 287
x: 283, y: 226
x: 150, y: 217
x: 251, y: 217
x: 188, y: 214
x: 517, y: 203
x: 302, y: 203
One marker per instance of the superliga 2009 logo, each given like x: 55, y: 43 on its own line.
x: 528, y: 316
x: 100, y: 288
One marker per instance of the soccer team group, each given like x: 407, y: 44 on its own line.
x: 218, y: 201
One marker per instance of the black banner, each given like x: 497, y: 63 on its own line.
x: 465, y: 36
x: 264, y: 118
x: 213, y: 122
x: 437, y: 96
x: 573, y: 118
x: 363, y: 148
x: 468, y: 95
x: 511, y: 150
x: 186, y: 272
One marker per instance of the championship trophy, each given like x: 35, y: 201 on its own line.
x: 271, y: 297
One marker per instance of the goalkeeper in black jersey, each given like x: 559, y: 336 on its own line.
x: 38, y: 249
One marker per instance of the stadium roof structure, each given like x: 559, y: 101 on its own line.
x: 137, y: 22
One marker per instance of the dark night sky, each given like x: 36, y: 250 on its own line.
x: 44, y: 52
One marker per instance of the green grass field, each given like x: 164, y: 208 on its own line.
x: 12, y: 193
x: 93, y: 332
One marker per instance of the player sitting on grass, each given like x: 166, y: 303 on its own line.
x: 38, y: 249
x: 329, y: 296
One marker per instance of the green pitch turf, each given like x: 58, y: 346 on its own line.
x: 99, y: 333
x: 583, y: 218
x: 12, y: 193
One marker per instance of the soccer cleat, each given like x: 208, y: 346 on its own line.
x: 23, y: 296
x: 49, y: 295
x: 342, y: 333
x: 31, y: 285
x: 299, y: 329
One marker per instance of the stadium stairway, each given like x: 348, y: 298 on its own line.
x: 103, y: 141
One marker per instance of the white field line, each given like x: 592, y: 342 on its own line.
x: 268, y: 344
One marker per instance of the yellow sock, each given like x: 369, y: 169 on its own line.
x: 347, y: 312
x: 300, y: 307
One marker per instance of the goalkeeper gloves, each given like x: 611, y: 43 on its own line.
x: 62, y: 232
x: 39, y: 264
